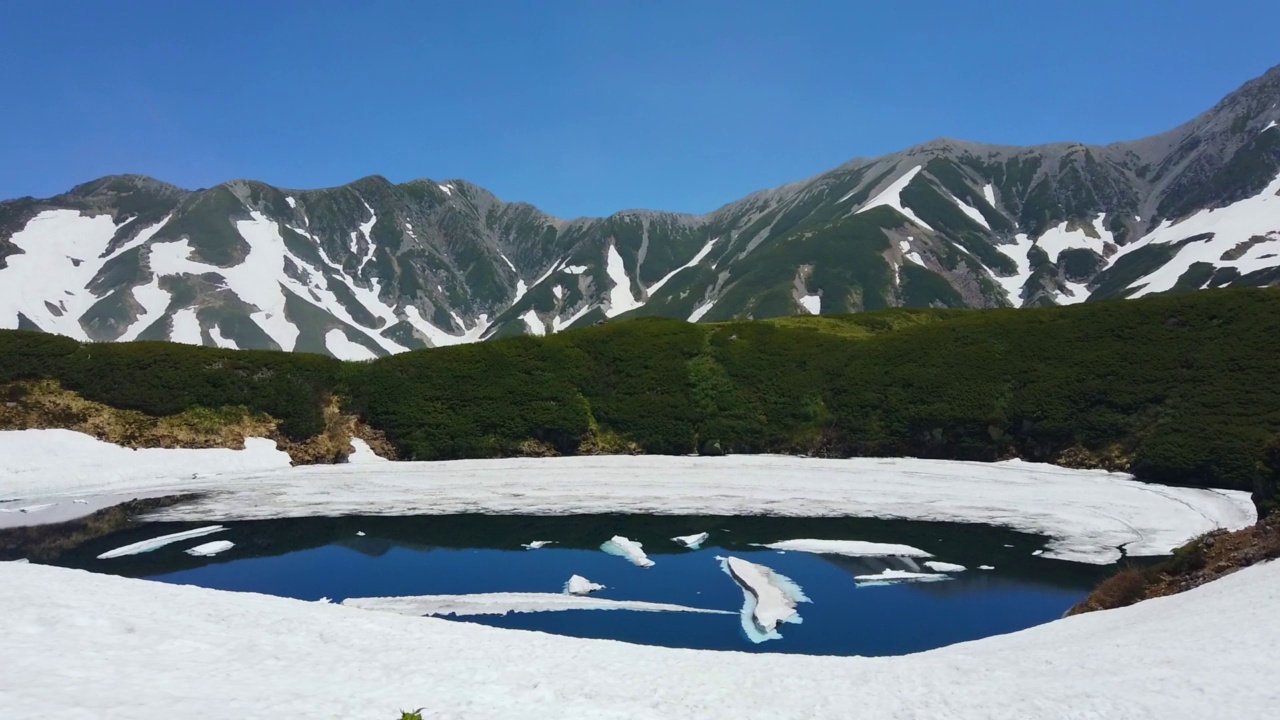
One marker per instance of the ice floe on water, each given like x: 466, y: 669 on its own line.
x: 579, y: 585
x: 851, y: 548
x: 944, y: 567
x: 159, y: 542
x: 693, y: 542
x: 537, y: 544
x: 629, y: 549
x: 512, y: 602
x: 892, y: 577
x: 986, y: 567
x: 768, y: 598
x: 210, y: 549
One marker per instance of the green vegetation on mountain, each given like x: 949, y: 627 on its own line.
x: 1176, y: 389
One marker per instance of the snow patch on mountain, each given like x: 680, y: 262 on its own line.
x: 812, y: 304
x: 337, y: 342
x: 620, y: 298
x: 701, y: 310
x: 1257, y: 216
x: 699, y: 257
x: 533, y: 322
x: 61, y: 253
x: 973, y: 212
x: 892, y: 197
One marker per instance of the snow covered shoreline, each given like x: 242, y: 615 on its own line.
x: 1087, y: 514
x: 88, y: 645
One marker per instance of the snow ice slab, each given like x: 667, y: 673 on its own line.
x: 944, y: 567
x: 851, y: 548
x: 892, y: 577
x: 693, y: 542
x: 537, y: 544
x: 156, y: 543
x: 210, y: 549
x: 579, y: 585
x: 504, y: 603
x: 629, y: 549
x: 769, y: 598
x: 361, y: 453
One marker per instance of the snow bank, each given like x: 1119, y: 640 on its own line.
x: 159, y: 542
x: 693, y: 542
x: 503, y: 603
x: 852, y: 548
x: 944, y: 567
x: 579, y: 585
x: 146, y: 650
x: 1087, y: 514
x: 768, y: 598
x: 210, y: 549
x: 629, y: 549
x: 890, y: 577
x: 361, y: 453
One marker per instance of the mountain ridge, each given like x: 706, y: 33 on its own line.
x: 374, y: 267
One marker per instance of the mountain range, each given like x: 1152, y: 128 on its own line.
x: 374, y: 268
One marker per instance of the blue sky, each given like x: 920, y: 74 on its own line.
x: 585, y: 108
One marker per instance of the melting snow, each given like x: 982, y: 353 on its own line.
x: 508, y: 262
x: 943, y: 567
x: 579, y: 585
x: 1230, y: 226
x: 361, y: 453
x: 812, y: 304
x: 533, y: 322
x: 890, y: 577
x: 699, y: 257
x: 1086, y: 514
x: 503, y: 603
x: 693, y: 542
x: 768, y: 598
x: 557, y: 324
x: 701, y: 310
x: 989, y: 192
x: 1209, y: 652
x: 574, y: 269
x: 446, y: 189
x: 1019, y: 252
x: 851, y: 548
x: 620, y: 298
x: 891, y: 196
x: 186, y: 327
x: 61, y: 252
x: 156, y: 543
x: 1269, y: 126
x: 210, y: 549
x: 215, y: 333
x: 558, y: 291
x: 292, y: 203
x: 440, y: 338
x: 973, y: 212
x: 629, y: 549
x: 337, y: 342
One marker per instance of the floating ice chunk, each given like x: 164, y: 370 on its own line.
x: 1037, y: 552
x: 362, y: 453
x: 851, y: 548
x: 29, y: 508
x: 503, y: 603
x: 537, y: 544
x: 159, y: 542
x: 943, y: 567
x: 579, y: 585
x: 80, y: 501
x: 210, y: 549
x: 693, y: 542
x: 768, y: 598
x: 986, y: 567
x: 359, y: 533
x: 889, y: 577
x: 629, y: 549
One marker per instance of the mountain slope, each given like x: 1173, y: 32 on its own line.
x: 373, y: 268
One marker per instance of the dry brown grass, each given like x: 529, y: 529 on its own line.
x: 45, y: 404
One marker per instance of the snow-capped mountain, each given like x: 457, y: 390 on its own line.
x: 373, y: 268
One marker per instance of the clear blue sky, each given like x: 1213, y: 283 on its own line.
x: 584, y: 108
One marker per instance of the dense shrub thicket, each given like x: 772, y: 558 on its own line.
x: 1182, y: 390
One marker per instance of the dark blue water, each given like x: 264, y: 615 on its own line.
x: 844, y: 618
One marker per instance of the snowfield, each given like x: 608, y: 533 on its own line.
x: 78, y: 644
x: 1088, y: 515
